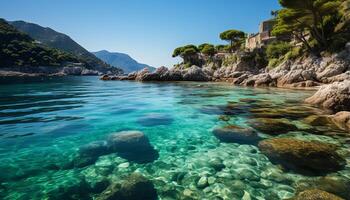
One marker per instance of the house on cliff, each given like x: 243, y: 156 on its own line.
x: 262, y: 38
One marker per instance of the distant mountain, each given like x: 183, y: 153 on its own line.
x: 54, y: 39
x: 121, y: 60
x: 19, y: 49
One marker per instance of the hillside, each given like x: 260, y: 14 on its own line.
x: 54, y: 39
x: 19, y: 49
x: 124, y: 61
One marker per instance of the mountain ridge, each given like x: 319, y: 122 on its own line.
x: 61, y: 41
x: 121, y: 60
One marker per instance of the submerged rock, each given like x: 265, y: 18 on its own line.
x: 272, y: 126
x: 342, y: 120
x: 335, y: 185
x: 303, y: 156
x: 89, y: 153
x: 316, y: 194
x: 133, y: 187
x: 155, y: 119
x: 133, y: 146
x: 335, y: 96
x: 236, y: 134
x: 202, y: 182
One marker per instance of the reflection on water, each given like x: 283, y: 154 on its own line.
x: 45, y: 123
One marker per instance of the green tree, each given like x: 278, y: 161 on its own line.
x: 207, y: 49
x: 235, y: 37
x: 188, y: 53
x: 345, y: 16
x: 301, y: 16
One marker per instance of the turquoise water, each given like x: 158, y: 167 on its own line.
x: 43, y: 123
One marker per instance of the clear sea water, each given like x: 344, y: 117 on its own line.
x: 44, y: 121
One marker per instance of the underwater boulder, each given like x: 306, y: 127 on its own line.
x: 89, y: 153
x: 272, y: 126
x: 96, y: 148
x: 236, y: 134
x: 133, y: 187
x: 155, y: 119
x: 316, y: 194
x: 303, y: 156
x: 133, y: 146
x: 333, y: 184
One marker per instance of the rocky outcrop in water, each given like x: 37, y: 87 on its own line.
x: 335, y: 96
x: 303, y: 156
x: 133, y: 187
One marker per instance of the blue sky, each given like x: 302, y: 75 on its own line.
x: 148, y: 30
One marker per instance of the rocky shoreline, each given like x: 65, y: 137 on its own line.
x: 303, y: 72
x: 30, y: 71
x: 330, y: 75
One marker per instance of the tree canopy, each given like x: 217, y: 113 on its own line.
x: 313, y: 18
x: 207, y: 49
x: 188, y: 53
x: 235, y: 37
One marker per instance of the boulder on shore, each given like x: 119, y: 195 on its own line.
x: 335, y: 96
x: 304, y: 156
x: 316, y: 194
x: 195, y: 73
x: 133, y: 187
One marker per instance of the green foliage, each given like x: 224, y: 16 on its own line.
x: 185, y: 51
x: 294, y: 53
x: 274, y: 62
x: 222, y: 48
x: 317, y: 18
x: 345, y: 16
x: 187, y: 65
x: 277, y: 49
x: 235, y: 37
x: 207, y: 49
x: 188, y: 53
x: 18, y: 49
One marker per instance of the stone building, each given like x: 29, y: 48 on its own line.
x: 262, y: 38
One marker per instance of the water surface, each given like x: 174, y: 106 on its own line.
x: 43, y: 122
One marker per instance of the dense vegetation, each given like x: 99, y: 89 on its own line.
x: 319, y: 24
x: 56, y: 40
x: 18, y: 49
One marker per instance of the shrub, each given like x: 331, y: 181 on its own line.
x: 274, y: 62
x: 294, y: 53
x: 277, y: 49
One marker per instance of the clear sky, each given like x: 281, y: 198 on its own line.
x: 147, y: 30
